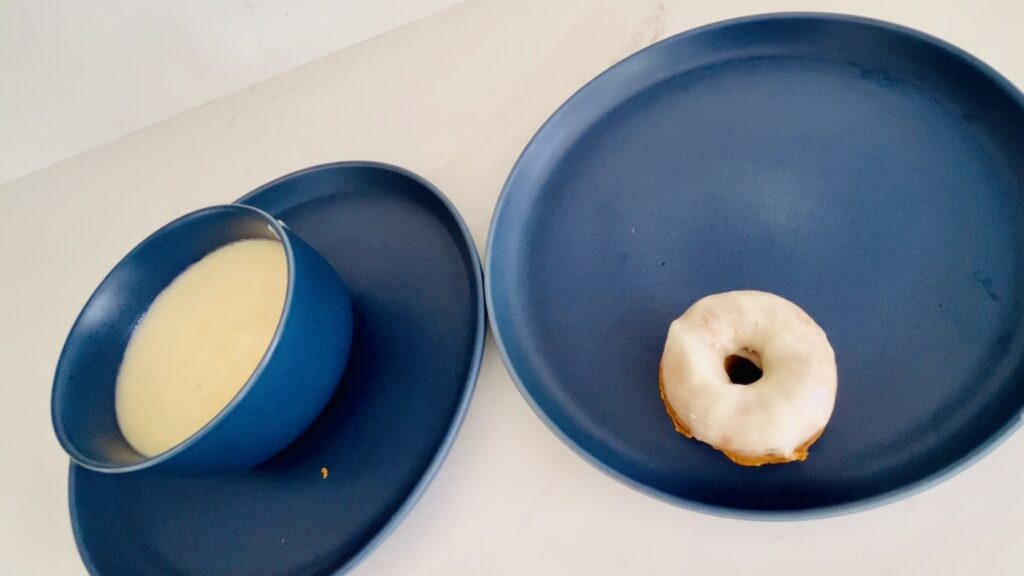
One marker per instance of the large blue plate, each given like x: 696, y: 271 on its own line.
x: 419, y: 330
x: 868, y: 172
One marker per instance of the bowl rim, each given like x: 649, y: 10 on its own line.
x: 466, y: 396
x: 66, y: 440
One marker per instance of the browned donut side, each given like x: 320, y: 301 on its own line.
x: 741, y: 459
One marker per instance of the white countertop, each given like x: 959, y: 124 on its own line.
x: 454, y: 97
x: 75, y: 75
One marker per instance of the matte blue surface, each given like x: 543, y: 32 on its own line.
x: 414, y: 277
x: 868, y: 172
x: 273, y: 407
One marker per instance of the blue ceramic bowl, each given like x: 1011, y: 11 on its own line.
x: 297, y: 375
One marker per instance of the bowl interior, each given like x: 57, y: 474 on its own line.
x: 84, y: 417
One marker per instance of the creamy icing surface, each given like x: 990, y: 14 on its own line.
x: 784, y: 409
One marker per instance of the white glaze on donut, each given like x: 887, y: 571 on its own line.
x: 772, y: 417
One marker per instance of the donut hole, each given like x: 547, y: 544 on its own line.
x: 742, y: 370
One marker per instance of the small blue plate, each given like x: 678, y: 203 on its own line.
x: 870, y: 173
x: 417, y: 293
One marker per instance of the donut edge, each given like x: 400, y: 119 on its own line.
x: 799, y: 455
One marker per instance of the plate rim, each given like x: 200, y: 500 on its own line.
x: 448, y: 441
x: 953, y: 468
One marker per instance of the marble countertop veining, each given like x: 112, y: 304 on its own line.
x: 455, y: 97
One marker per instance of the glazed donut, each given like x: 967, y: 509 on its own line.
x: 766, y: 342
